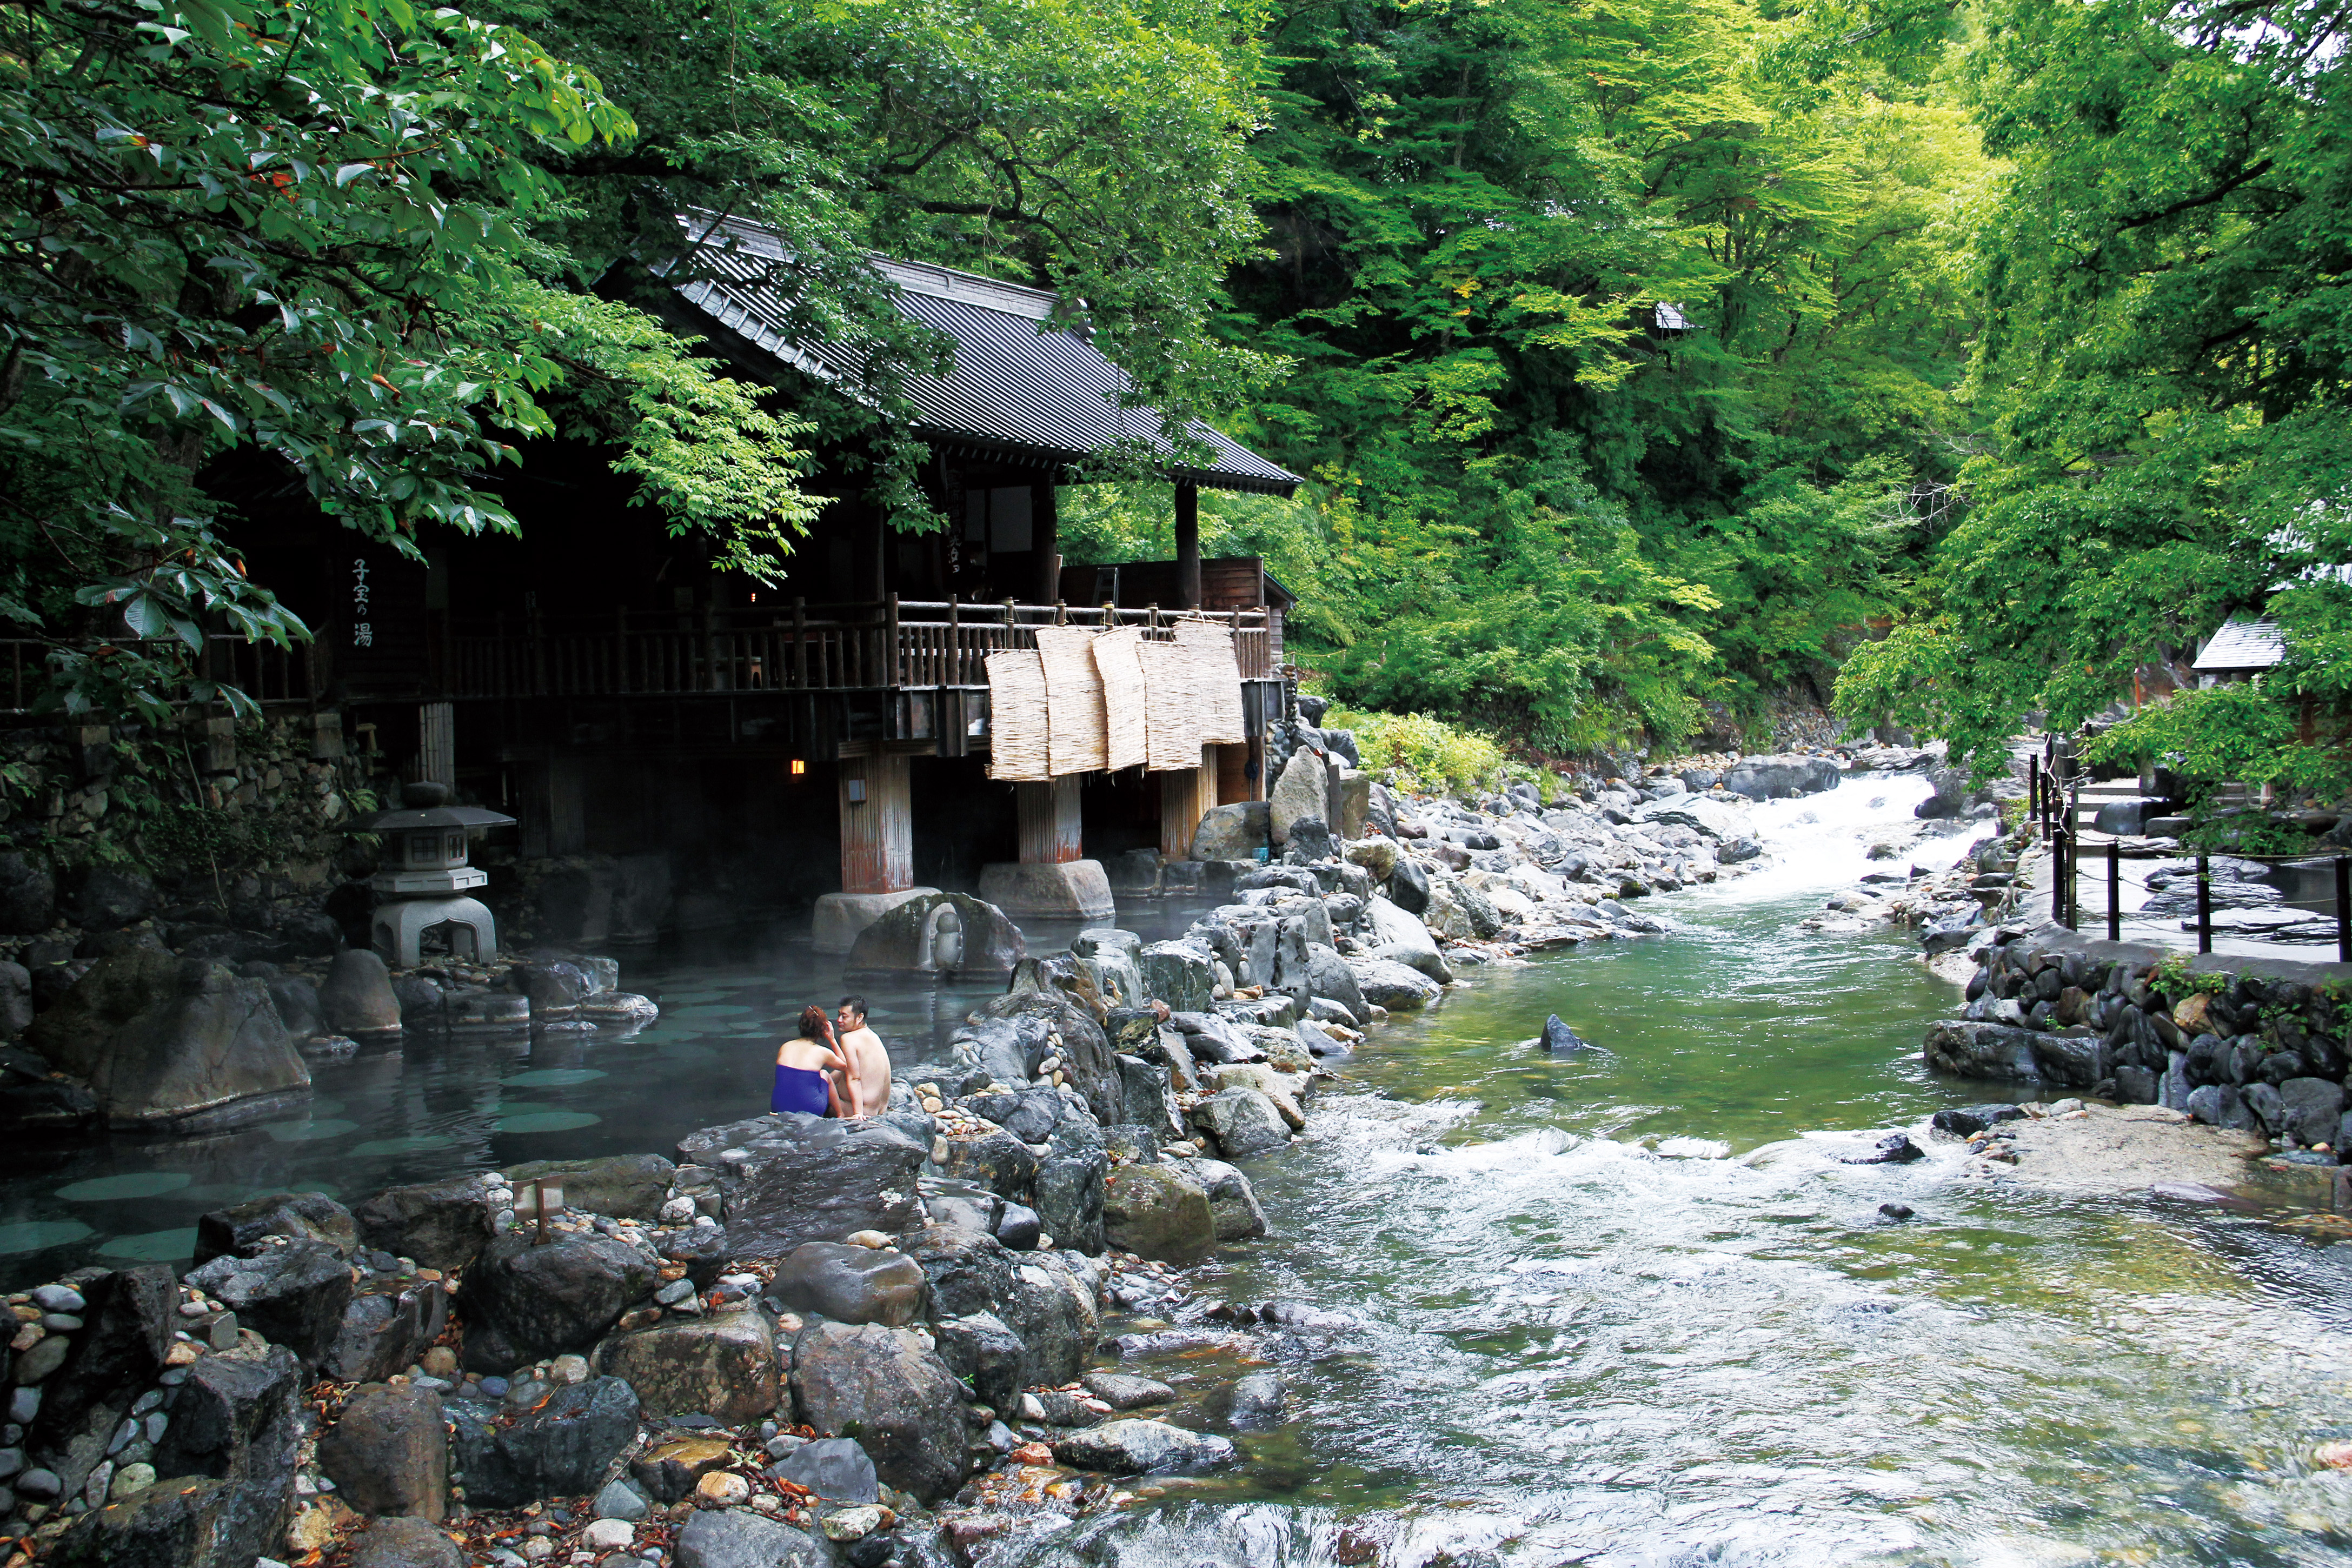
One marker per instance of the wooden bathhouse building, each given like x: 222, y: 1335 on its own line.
x: 742, y: 745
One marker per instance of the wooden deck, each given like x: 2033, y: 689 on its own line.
x: 897, y: 644
x: 268, y: 674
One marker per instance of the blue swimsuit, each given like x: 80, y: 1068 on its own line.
x: 800, y: 1089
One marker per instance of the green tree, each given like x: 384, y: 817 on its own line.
x: 300, y: 233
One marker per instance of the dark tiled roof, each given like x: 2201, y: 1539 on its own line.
x: 2243, y: 643
x: 1018, y: 386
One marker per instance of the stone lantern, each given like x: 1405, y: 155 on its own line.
x: 423, y: 880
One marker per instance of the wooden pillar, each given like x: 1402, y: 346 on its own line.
x: 1185, y: 796
x: 1048, y: 817
x: 1045, y: 537
x: 1187, y: 546
x: 877, y: 825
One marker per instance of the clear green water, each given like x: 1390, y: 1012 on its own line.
x: 1574, y: 1349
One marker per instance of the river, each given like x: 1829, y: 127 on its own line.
x: 1622, y: 1309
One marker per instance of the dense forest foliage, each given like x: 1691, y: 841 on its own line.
x: 1649, y: 361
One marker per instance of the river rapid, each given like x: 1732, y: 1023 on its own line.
x: 1632, y: 1309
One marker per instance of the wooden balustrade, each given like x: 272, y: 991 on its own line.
x: 262, y: 670
x: 895, y: 645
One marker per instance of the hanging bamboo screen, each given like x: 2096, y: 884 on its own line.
x: 1017, y: 716
x: 1173, y: 705
x: 1217, y: 677
x: 1076, y: 737
x: 1124, y: 697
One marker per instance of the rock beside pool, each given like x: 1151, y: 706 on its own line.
x: 1244, y: 1123
x: 293, y: 1294
x: 387, y: 1453
x: 740, y: 1538
x: 385, y: 1332
x: 1137, y: 1446
x: 723, y: 1365
x: 1385, y: 982
x: 524, y: 1302
x: 626, y: 1186
x: 791, y: 1179
x: 357, y: 998
x: 244, y: 1229
x: 162, y: 1040
x: 888, y: 1387
x: 560, y: 1448
x: 405, y: 1544
x: 852, y: 1284
x: 1160, y: 1212
x: 1895, y: 1149
x: 440, y: 1225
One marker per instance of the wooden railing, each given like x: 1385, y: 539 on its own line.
x: 262, y: 670
x: 893, y: 644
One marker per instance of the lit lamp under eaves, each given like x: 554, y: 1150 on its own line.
x: 422, y: 882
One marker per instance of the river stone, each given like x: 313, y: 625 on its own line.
x: 1329, y: 976
x: 1125, y: 1391
x: 243, y: 1230
x: 1719, y: 820
x: 740, y: 1538
x: 723, y: 1366
x: 996, y: 1160
x: 1385, y: 982
x: 1132, y: 1446
x: 160, y: 1039
x: 1159, y: 1212
x: 1895, y: 1149
x: 357, y: 998
x: 384, y: 1331
x: 1039, y: 1297
x: 837, y: 1469
x: 562, y: 1447
x: 1966, y: 1120
x: 441, y: 1225
x: 1241, y: 1121
x: 237, y: 1420
x: 806, y: 1178
x: 27, y: 896
x: 1997, y: 1051
x: 1255, y: 1400
x: 1029, y: 1114
x: 1178, y: 974
x: 852, y: 1284
x: 1780, y: 777
x: 1234, y: 1208
x: 542, y: 1301
x: 1055, y: 1025
x: 1302, y: 790
x: 1239, y: 831
x: 905, y: 1408
x: 293, y: 1295
x: 2310, y: 1109
x: 1560, y: 1040
x: 626, y: 1186
x: 982, y: 1350
x: 1145, y: 1097
x: 387, y: 1453
x: 404, y: 1543
x: 108, y: 897
x: 128, y: 1317
x: 907, y: 940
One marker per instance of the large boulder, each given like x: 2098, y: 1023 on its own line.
x: 740, y: 1538
x: 387, y: 1453
x: 160, y: 1039
x: 293, y: 1294
x: 1997, y: 1051
x: 1329, y: 976
x: 1038, y: 1297
x: 789, y: 1179
x: 984, y: 1351
x: 560, y: 1447
x: 1302, y: 790
x: 1234, y: 1208
x: 1146, y: 1099
x: 439, y: 1224
x: 128, y: 1317
x: 29, y: 896
x: 1242, y: 1122
x: 384, y: 1330
x: 524, y: 1302
x: 1112, y: 953
x: 1401, y: 938
x: 357, y: 998
x: 852, y: 1284
x: 1241, y: 831
x: 626, y: 1186
x: 1711, y: 818
x: 1780, y: 777
x: 108, y: 897
x: 238, y: 1421
x: 1159, y: 1212
x: 1387, y: 984
x: 883, y: 1384
x: 837, y: 1469
x: 244, y: 1229
x: 2310, y: 1109
x: 1069, y: 1198
x: 723, y: 1365
x: 404, y: 1543
x: 940, y: 933
x: 1134, y: 1447
x: 1053, y: 1025
x: 1178, y: 974
x: 996, y: 1160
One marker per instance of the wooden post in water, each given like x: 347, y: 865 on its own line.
x: 2343, y: 910
x: 2115, y: 892
x: 1047, y: 814
x: 2057, y: 879
x: 2033, y: 792
x: 2204, y: 909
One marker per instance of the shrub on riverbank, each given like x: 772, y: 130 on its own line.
x: 1428, y: 754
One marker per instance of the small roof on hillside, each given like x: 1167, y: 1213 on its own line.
x: 2243, y: 644
x: 1020, y: 387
